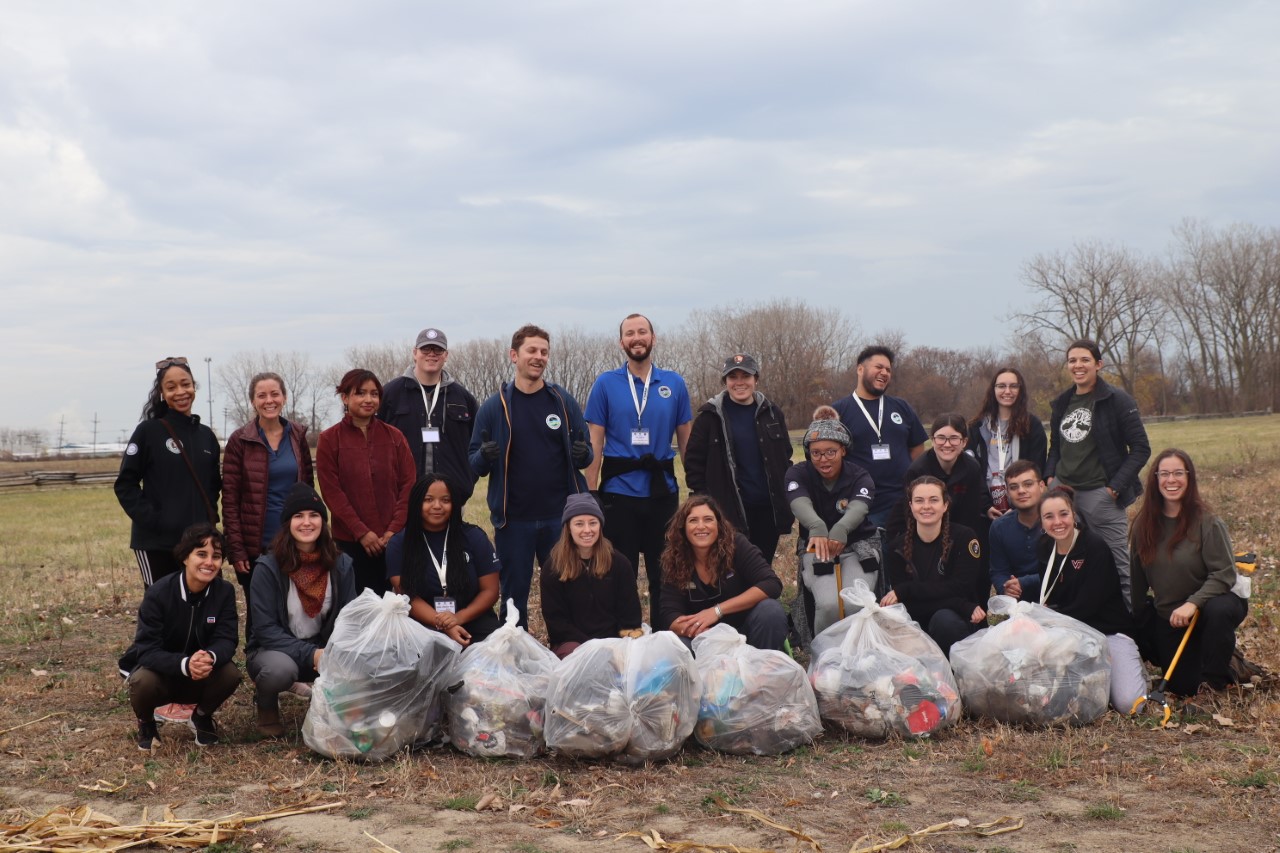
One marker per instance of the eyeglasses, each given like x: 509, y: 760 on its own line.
x: 948, y: 439
x: 1006, y: 386
x: 170, y: 361
x: 1180, y: 474
x: 824, y: 454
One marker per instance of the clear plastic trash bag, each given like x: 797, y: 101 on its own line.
x: 754, y: 701
x: 632, y: 699
x: 1034, y: 666
x: 380, y: 683
x: 876, y: 672
x: 497, y: 693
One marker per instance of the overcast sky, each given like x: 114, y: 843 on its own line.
x: 200, y: 178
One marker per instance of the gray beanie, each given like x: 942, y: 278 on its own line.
x: 581, y: 504
x: 826, y: 430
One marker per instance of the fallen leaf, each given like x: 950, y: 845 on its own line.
x: 67, y: 621
x: 987, y: 746
x: 1193, y: 728
x: 1226, y: 722
x: 581, y: 801
x: 39, y: 673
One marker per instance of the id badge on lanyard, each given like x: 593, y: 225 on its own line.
x: 880, y: 452
x: 445, y: 604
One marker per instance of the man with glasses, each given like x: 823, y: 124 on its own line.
x: 1015, y: 535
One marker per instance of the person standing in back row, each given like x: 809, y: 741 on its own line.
x: 1098, y: 446
x: 434, y: 412
x: 530, y: 440
x: 886, y: 432
x: 633, y: 413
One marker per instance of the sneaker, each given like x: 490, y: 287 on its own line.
x: 206, y: 731
x: 301, y: 689
x: 148, y: 737
x: 174, y: 713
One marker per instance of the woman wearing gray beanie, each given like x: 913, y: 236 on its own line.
x: 588, y: 588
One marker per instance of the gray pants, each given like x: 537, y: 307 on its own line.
x: 1128, y: 678
x: 826, y: 596
x: 273, y: 673
x: 1109, y: 520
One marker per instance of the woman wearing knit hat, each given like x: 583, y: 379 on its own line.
x: 446, y: 566
x: 588, y: 587
x: 831, y: 496
x: 299, y: 587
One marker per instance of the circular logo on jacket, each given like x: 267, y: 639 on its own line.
x: 792, y: 486
x: 553, y: 422
x: 131, y: 450
x: 664, y: 392
x: 863, y: 491
x: 172, y: 445
x: 896, y: 418
x: 975, y: 550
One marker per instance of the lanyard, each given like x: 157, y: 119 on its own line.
x: 1002, y: 449
x: 878, y: 422
x: 441, y: 568
x: 640, y: 402
x: 435, y: 398
x: 1050, y: 581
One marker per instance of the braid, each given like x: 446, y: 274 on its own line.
x: 907, y: 542
x: 946, y: 536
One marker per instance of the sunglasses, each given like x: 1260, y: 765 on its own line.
x: 170, y: 361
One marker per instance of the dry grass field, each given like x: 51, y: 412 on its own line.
x: 71, y: 589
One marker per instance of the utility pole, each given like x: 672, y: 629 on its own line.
x: 95, y: 433
x: 62, y: 422
x: 208, y: 373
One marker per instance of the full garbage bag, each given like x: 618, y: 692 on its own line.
x: 876, y: 672
x: 380, y: 683
x: 754, y: 701
x: 497, y: 693
x: 1035, y: 666
x: 635, y: 700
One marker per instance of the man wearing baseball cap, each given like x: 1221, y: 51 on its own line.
x: 433, y: 411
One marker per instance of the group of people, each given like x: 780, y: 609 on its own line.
x: 591, y: 493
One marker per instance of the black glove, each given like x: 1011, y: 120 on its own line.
x: 489, y: 449
x: 580, y: 454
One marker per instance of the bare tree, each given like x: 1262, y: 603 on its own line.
x: 482, y: 365
x: 309, y: 399
x: 387, y: 360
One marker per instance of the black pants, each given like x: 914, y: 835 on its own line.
x: 370, y: 572
x: 154, y: 565
x: 762, y: 530
x: 1207, y: 657
x: 639, y: 525
x: 149, y: 689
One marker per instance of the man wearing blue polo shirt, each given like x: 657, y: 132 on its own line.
x: 632, y: 414
x: 887, y: 435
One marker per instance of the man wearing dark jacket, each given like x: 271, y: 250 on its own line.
x: 433, y: 411
x: 739, y: 452
x: 1098, y: 446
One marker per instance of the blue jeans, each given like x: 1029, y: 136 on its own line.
x: 517, y: 543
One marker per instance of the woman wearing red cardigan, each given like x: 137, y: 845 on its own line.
x: 365, y: 470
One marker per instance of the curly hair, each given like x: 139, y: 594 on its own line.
x: 1019, y: 417
x: 911, y: 520
x: 677, y: 556
x: 1145, y: 532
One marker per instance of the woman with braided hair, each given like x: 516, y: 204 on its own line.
x: 934, y: 567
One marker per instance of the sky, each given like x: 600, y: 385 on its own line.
x: 203, y: 178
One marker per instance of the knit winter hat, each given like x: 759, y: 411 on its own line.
x: 302, y: 497
x: 827, y: 430
x: 581, y: 504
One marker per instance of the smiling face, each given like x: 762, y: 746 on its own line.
x: 1172, y: 478
x: 1057, y: 519
x: 428, y: 361
x: 437, y: 507
x: 701, y: 528
x: 827, y: 458
x: 202, y: 565
x: 531, y: 359
x: 305, y: 528
x: 178, y: 389
x: 362, y: 403
x: 268, y: 400
x: 928, y: 504
x: 741, y: 386
x: 1083, y: 368
x: 637, y: 338
x: 585, y: 532
x: 948, y: 444
x: 1006, y: 389
x: 1025, y: 490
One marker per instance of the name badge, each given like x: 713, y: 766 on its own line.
x: 446, y: 605
x: 640, y: 438
x: 879, y: 451
x: 431, y: 435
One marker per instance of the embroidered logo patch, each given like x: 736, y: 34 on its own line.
x: 1077, y: 564
x: 553, y: 422
x: 975, y: 550
x: 896, y: 418
x: 792, y: 486
x: 664, y: 392
x: 863, y: 491
x: 172, y: 446
x: 131, y: 450
x: 737, y: 359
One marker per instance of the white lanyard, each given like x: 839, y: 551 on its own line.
x: 442, y: 569
x: 876, y: 424
x: 640, y: 402
x: 1049, y: 580
x: 435, y: 398
x: 1001, y: 448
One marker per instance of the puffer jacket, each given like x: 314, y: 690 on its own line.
x: 244, y: 486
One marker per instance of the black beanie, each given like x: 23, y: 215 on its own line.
x: 302, y: 497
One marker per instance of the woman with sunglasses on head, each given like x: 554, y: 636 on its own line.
x: 933, y: 566
x: 264, y: 458
x: 446, y: 567
x: 366, y: 470
x: 1182, y: 552
x: 169, y: 477
x: 712, y: 574
x: 1004, y: 431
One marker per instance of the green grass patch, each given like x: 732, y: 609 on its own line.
x: 1104, y: 811
x: 1256, y: 779
x: 462, y: 803
x: 885, y: 799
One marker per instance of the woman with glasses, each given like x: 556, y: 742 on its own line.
x: 831, y: 497
x: 934, y: 565
x: 1182, y: 553
x: 1003, y: 431
x: 712, y: 574
x: 169, y: 477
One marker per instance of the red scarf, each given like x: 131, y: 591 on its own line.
x: 311, y: 580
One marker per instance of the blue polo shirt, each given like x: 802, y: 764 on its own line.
x: 611, y: 406
x: 900, y: 429
x: 1012, y: 550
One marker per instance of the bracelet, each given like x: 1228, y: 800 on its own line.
x: 719, y: 612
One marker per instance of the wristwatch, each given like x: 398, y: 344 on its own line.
x: 719, y: 612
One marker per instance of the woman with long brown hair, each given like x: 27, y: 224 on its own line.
x: 1182, y: 553
x: 588, y: 587
x: 711, y: 573
x: 1005, y: 430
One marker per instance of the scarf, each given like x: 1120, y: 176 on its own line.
x: 311, y: 580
